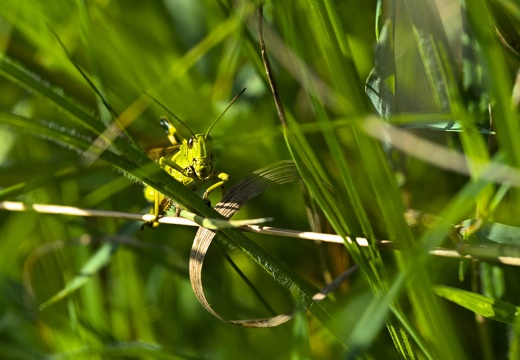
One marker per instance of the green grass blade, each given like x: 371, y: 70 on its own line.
x: 380, y: 84
x: 35, y: 84
x: 486, y: 306
x: 95, y: 263
x: 505, y: 118
x: 477, y: 232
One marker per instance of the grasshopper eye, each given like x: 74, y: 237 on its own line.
x: 190, y: 142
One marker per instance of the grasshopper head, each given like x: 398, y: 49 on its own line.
x: 200, y: 148
x: 200, y: 155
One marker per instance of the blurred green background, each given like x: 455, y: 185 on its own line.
x: 194, y: 56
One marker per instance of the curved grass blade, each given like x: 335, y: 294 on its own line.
x: 239, y: 195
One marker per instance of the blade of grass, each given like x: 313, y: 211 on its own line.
x: 483, y: 305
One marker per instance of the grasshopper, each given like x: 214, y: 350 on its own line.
x: 189, y: 161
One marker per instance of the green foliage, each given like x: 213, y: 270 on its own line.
x: 120, y: 292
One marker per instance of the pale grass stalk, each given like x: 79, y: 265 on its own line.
x: 260, y: 229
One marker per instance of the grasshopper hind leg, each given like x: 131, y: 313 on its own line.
x: 171, y: 131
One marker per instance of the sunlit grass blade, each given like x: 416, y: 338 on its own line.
x: 217, y: 224
x: 488, y: 307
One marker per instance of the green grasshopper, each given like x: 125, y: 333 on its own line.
x: 189, y: 161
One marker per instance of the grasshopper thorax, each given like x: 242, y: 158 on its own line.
x: 199, y: 154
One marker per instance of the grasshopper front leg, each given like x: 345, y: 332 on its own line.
x: 161, y: 204
x: 164, y: 161
x: 223, y: 179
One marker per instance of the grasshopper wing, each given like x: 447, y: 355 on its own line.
x: 157, y: 153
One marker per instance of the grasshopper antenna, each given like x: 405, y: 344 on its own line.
x: 85, y: 77
x: 170, y: 112
x: 223, y: 112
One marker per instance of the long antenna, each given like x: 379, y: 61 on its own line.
x: 171, y: 113
x: 223, y: 112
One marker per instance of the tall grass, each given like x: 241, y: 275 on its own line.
x: 134, y: 297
